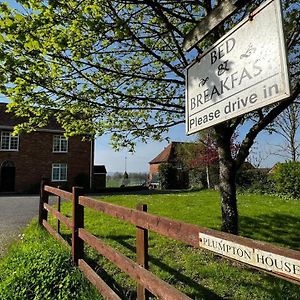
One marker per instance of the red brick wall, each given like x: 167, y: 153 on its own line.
x: 35, y: 157
x: 153, y: 169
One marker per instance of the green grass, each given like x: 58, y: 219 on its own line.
x: 39, y: 268
x: 198, y: 273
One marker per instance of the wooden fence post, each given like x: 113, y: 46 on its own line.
x: 58, y: 208
x: 78, y: 222
x: 44, y: 198
x: 142, y: 253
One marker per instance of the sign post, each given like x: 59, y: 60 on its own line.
x: 243, y: 71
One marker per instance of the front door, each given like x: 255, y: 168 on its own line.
x: 8, y: 175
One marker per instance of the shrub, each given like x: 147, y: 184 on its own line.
x: 38, y: 268
x: 198, y: 176
x: 167, y: 176
x: 255, y: 180
x: 287, y: 179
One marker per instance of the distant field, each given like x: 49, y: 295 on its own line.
x: 112, y: 182
x: 197, y: 273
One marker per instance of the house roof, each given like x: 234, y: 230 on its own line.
x: 167, y: 155
x: 9, y: 120
x: 99, y: 169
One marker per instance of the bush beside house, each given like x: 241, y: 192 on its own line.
x: 171, y: 177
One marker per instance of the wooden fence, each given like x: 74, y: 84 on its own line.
x: 256, y: 254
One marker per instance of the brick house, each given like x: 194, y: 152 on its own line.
x: 169, y: 156
x: 27, y: 158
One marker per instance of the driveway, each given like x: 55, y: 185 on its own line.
x: 15, y: 213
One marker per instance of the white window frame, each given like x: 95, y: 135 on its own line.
x: 59, y: 166
x: 11, y: 138
x: 61, y: 139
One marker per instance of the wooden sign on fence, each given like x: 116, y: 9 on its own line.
x: 272, y: 262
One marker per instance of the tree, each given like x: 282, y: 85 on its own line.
x: 287, y: 125
x: 207, y: 155
x: 117, y: 66
x: 201, y: 154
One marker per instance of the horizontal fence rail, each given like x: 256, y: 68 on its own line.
x: 155, y: 285
x: 67, y: 221
x: 177, y: 230
x: 278, y: 261
x: 54, y: 233
x: 58, y: 192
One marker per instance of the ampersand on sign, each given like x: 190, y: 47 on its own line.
x: 222, y: 68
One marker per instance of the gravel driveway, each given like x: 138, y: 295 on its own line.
x: 15, y: 213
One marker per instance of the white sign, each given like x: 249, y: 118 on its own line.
x: 262, y: 259
x: 243, y: 71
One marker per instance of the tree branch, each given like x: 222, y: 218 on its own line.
x: 145, y: 47
x: 261, y: 124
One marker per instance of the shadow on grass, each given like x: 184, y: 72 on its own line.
x: 123, y: 293
x: 110, y: 281
x: 275, y: 228
x: 118, y: 289
x: 275, y: 287
x: 202, y: 292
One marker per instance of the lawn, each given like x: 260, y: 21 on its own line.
x: 199, y: 274
x: 36, y: 267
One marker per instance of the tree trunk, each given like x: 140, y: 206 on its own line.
x: 227, y: 176
x: 228, y: 196
x: 207, y: 177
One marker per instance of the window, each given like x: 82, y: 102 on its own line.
x: 59, y: 172
x: 9, y: 142
x: 60, y: 144
x: 179, y: 166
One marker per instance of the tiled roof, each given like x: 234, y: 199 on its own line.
x: 167, y: 155
x: 8, y: 119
